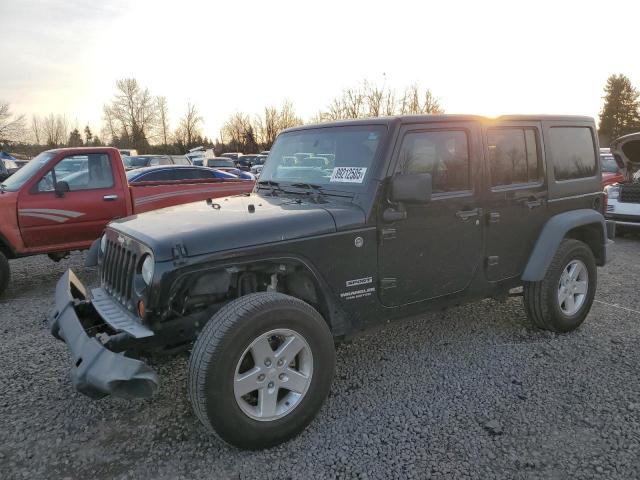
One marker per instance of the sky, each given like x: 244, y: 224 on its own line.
x: 480, y: 57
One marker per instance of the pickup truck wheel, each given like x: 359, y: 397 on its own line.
x: 562, y: 299
x: 5, y: 273
x: 261, y: 369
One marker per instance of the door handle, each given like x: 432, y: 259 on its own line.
x: 494, y: 217
x: 465, y: 215
x: 533, y: 203
x: 110, y: 198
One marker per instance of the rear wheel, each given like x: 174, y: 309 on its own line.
x: 562, y: 299
x: 5, y: 273
x: 261, y: 369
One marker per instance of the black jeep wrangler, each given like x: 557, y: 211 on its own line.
x: 351, y: 224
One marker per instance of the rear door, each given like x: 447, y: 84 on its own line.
x: 516, y: 205
x: 96, y: 197
x: 437, y: 249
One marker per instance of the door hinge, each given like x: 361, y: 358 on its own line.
x: 387, y: 234
x: 387, y: 283
x: 493, y: 261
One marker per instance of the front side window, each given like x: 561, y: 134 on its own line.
x: 81, y: 172
x: 443, y: 153
x: 302, y: 156
x: 513, y: 156
x: 573, y: 152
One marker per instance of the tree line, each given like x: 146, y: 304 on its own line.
x: 135, y: 118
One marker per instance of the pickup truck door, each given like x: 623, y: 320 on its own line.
x: 516, y: 201
x: 95, y: 197
x: 437, y: 249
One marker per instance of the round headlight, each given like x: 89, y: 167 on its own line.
x: 612, y: 191
x: 103, y: 243
x: 147, y: 269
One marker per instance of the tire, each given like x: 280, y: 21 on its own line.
x: 5, y: 273
x: 542, y: 300
x: 223, y: 355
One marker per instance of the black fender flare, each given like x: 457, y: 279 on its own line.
x: 91, y: 259
x: 552, y: 234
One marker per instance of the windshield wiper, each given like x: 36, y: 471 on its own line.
x: 316, y: 190
x: 270, y: 183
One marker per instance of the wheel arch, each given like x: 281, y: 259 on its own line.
x: 586, y: 225
x: 299, y: 279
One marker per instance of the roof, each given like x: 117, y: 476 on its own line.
x: 443, y: 118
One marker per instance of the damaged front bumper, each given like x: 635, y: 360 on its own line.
x: 96, y: 371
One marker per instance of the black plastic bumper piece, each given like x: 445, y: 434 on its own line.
x: 96, y: 371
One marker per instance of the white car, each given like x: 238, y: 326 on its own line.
x: 623, y: 199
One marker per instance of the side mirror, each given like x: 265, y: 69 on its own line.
x: 411, y: 188
x: 61, y: 188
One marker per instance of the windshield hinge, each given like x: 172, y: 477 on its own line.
x: 179, y: 251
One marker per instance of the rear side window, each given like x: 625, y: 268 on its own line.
x: 573, y: 152
x: 443, y: 154
x: 513, y: 156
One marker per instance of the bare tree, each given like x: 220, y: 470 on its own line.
x: 163, y: 119
x: 55, y: 130
x: 189, y: 128
x: 235, y: 130
x: 36, y: 129
x: 133, y: 113
x: 411, y: 103
x: 12, y: 127
x: 267, y: 127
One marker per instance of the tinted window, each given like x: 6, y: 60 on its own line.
x: 220, y: 163
x: 159, y: 176
x: 191, y: 174
x: 81, y: 172
x: 573, y: 152
x: 513, y: 156
x: 443, y: 154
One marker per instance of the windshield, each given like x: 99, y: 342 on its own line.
x: 135, y: 162
x: 609, y: 164
x: 15, y: 181
x: 336, y: 158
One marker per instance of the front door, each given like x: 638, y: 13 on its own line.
x: 437, y: 249
x: 516, y: 205
x: 80, y: 215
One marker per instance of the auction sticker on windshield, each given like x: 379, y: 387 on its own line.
x: 348, y: 174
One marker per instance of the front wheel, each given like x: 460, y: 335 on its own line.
x: 5, y: 273
x: 562, y: 299
x: 261, y: 369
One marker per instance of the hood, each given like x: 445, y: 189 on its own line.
x: 626, y: 151
x: 236, y: 222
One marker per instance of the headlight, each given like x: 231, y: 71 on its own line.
x: 147, y: 269
x: 103, y: 243
x: 612, y: 191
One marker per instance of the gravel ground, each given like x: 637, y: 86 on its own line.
x: 475, y: 392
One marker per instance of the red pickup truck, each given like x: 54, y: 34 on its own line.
x: 42, y: 213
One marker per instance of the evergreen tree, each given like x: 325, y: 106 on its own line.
x: 621, y: 111
x: 75, y: 139
x: 88, y: 134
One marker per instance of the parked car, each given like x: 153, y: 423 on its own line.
x: 221, y: 163
x: 7, y: 168
x: 232, y: 155
x: 128, y: 152
x: 417, y: 213
x: 62, y: 200
x: 140, y: 161
x: 623, y: 198
x: 162, y: 173
x: 611, y: 171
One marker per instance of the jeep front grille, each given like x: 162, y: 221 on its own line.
x: 118, y: 269
x: 630, y: 193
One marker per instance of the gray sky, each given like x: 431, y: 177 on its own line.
x: 484, y: 57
